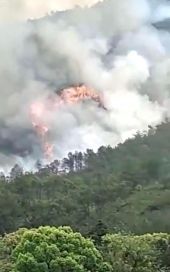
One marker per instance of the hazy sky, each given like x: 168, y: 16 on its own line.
x: 22, y: 9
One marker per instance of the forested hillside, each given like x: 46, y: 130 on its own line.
x: 127, y: 188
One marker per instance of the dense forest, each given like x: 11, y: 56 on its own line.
x: 127, y: 188
x: 109, y: 199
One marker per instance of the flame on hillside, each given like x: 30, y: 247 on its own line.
x: 72, y: 95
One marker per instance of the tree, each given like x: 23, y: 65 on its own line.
x: 65, y: 165
x: 57, y: 249
x: 38, y: 165
x: 152, y: 167
x: 54, y: 166
x: 16, y: 171
x: 78, y: 158
x: 2, y: 176
x: 6, y: 264
x: 129, y: 253
x: 71, y: 162
x: 98, y: 232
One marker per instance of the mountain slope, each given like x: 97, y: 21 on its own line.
x: 128, y: 188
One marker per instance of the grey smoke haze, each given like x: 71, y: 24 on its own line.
x: 112, y: 47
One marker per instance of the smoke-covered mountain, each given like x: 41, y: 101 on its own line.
x: 127, y: 187
x: 112, y: 47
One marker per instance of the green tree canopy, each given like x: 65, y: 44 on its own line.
x: 50, y: 249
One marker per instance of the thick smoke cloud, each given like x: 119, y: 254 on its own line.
x: 111, y: 47
x: 161, y: 10
x: 16, y: 10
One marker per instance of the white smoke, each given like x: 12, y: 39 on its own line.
x: 17, y: 10
x: 111, y: 47
x: 161, y: 10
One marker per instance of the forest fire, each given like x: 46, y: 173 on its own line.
x: 76, y: 94
x: 72, y: 95
x: 37, y: 112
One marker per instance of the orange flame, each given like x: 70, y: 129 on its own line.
x: 37, y: 111
x: 75, y: 94
x: 71, y: 95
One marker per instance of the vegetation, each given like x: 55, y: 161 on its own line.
x: 114, y: 198
x: 127, y: 188
x: 50, y: 249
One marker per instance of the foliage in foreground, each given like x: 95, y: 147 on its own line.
x: 57, y: 249
x: 145, y: 253
x: 50, y: 249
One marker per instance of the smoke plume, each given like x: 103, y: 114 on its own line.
x: 112, y: 47
x: 16, y: 10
